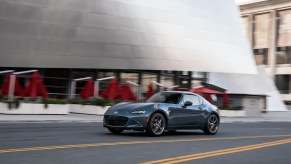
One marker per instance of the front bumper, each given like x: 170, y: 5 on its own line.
x: 133, y: 122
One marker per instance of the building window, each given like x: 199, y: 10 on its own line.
x: 167, y: 72
x: 104, y: 84
x: 56, y: 82
x: 261, y: 38
x: 132, y: 77
x: 167, y: 81
x: 283, y: 55
x: 76, y: 74
x: 185, y: 73
x: 198, y: 78
x: 282, y: 83
x: 147, y: 78
x: 284, y: 30
x: 261, y: 31
x: 261, y: 56
x: 198, y: 75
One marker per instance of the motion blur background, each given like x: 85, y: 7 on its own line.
x: 187, y: 44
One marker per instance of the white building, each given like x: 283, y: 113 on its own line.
x: 268, y: 27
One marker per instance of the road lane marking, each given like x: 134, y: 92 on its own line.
x: 133, y: 142
x: 240, y: 149
x: 197, y: 156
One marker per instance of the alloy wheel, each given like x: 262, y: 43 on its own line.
x: 213, y: 123
x: 158, y: 124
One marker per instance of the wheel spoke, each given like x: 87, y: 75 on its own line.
x: 158, y: 125
x: 213, y: 123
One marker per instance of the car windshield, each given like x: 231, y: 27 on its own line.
x: 165, y: 97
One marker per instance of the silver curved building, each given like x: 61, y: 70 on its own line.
x: 183, y: 35
x: 136, y: 40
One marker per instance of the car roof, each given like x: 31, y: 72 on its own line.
x: 185, y: 92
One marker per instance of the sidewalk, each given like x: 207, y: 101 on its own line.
x: 49, y: 118
x: 263, y: 117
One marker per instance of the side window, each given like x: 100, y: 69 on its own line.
x: 192, y: 98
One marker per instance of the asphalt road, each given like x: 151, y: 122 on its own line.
x: 88, y: 143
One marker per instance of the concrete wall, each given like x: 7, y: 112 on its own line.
x: 252, y: 105
x: 259, y: 84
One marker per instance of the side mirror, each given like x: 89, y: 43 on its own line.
x: 187, y: 103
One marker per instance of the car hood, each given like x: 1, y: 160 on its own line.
x: 125, y: 108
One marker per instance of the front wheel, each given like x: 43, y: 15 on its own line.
x: 115, y: 130
x: 156, y: 125
x: 212, y: 125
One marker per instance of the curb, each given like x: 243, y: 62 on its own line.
x: 100, y: 121
x: 51, y: 121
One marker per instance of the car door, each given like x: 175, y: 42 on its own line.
x: 186, y: 117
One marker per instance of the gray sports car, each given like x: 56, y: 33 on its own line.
x: 164, y: 111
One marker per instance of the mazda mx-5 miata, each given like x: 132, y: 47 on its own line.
x: 164, y: 111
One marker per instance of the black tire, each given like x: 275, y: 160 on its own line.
x: 212, y: 125
x: 171, y: 131
x: 156, y: 125
x: 115, y: 130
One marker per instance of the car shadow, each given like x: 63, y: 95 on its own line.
x: 166, y: 134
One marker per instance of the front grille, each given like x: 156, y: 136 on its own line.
x: 116, y: 120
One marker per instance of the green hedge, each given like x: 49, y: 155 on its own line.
x: 15, y: 103
x: 94, y: 101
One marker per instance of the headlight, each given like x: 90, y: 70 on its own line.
x: 138, y: 112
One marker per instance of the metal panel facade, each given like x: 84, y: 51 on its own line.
x: 183, y: 35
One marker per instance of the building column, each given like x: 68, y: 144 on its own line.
x: 190, y: 85
x: 159, y: 80
x: 140, y: 76
x: 251, y: 28
x: 272, y: 43
x: 189, y: 80
x: 176, y: 78
x: 118, y: 76
x: 95, y: 74
x: 69, y: 85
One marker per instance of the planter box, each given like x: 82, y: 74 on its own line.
x: 2, y: 105
x: 232, y: 113
x: 27, y: 108
x: 88, y: 109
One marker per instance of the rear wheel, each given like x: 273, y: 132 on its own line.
x: 212, y: 125
x: 156, y: 125
x: 115, y: 130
